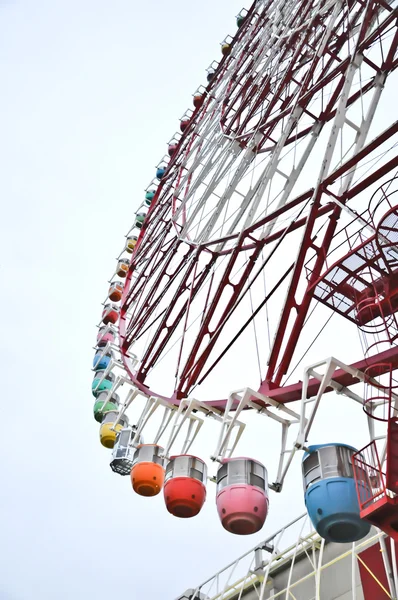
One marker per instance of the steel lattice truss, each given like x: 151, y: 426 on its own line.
x: 279, y: 159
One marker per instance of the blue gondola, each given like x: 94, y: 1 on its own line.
x: 330, y: 493
x: 101, y: 360
x: 160, y: 171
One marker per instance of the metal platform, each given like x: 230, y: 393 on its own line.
x: 307, y: 568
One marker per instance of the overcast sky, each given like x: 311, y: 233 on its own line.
x: 91, y: 91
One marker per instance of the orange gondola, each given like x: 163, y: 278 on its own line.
x: 147, y: 473
x: 115, y: 291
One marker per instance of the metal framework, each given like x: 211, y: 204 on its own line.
x: 296, y: 563
x: 280, y: 199
x: 297, y: 95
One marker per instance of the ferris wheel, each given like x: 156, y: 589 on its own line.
x: 276, y: 200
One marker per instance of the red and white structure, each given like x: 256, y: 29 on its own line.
x: 279, y: 202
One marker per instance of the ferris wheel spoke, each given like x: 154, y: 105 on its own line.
x: 271, y: 168
x: 212, y: 268
x: 224, y: 167
x: 135, y: 332
x: 156, y: 292
x: 363, y: 130
x: 193, y: 366
x: 282, y: 84
x: 164, y: 332
x: 249, y: 85
x: 157, y: 252
x: 325, y: 79
x: 141, y: 296
x: 291, y: 302
x: 293, y: 176
x: 251, y: 319
x: 226, y: 196
x: 206, y: 170
x: 203, y: 149
x: 234, y: 303
x: 225, y: 161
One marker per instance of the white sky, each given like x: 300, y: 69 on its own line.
x: 91, y: 93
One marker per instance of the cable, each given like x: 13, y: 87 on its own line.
x: 309, y: 347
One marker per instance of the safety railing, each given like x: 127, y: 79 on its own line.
x: 370, y: 480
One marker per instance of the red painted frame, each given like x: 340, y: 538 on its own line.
x: 157, y: 225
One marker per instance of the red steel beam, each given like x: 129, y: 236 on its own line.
x: 292, y: 393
